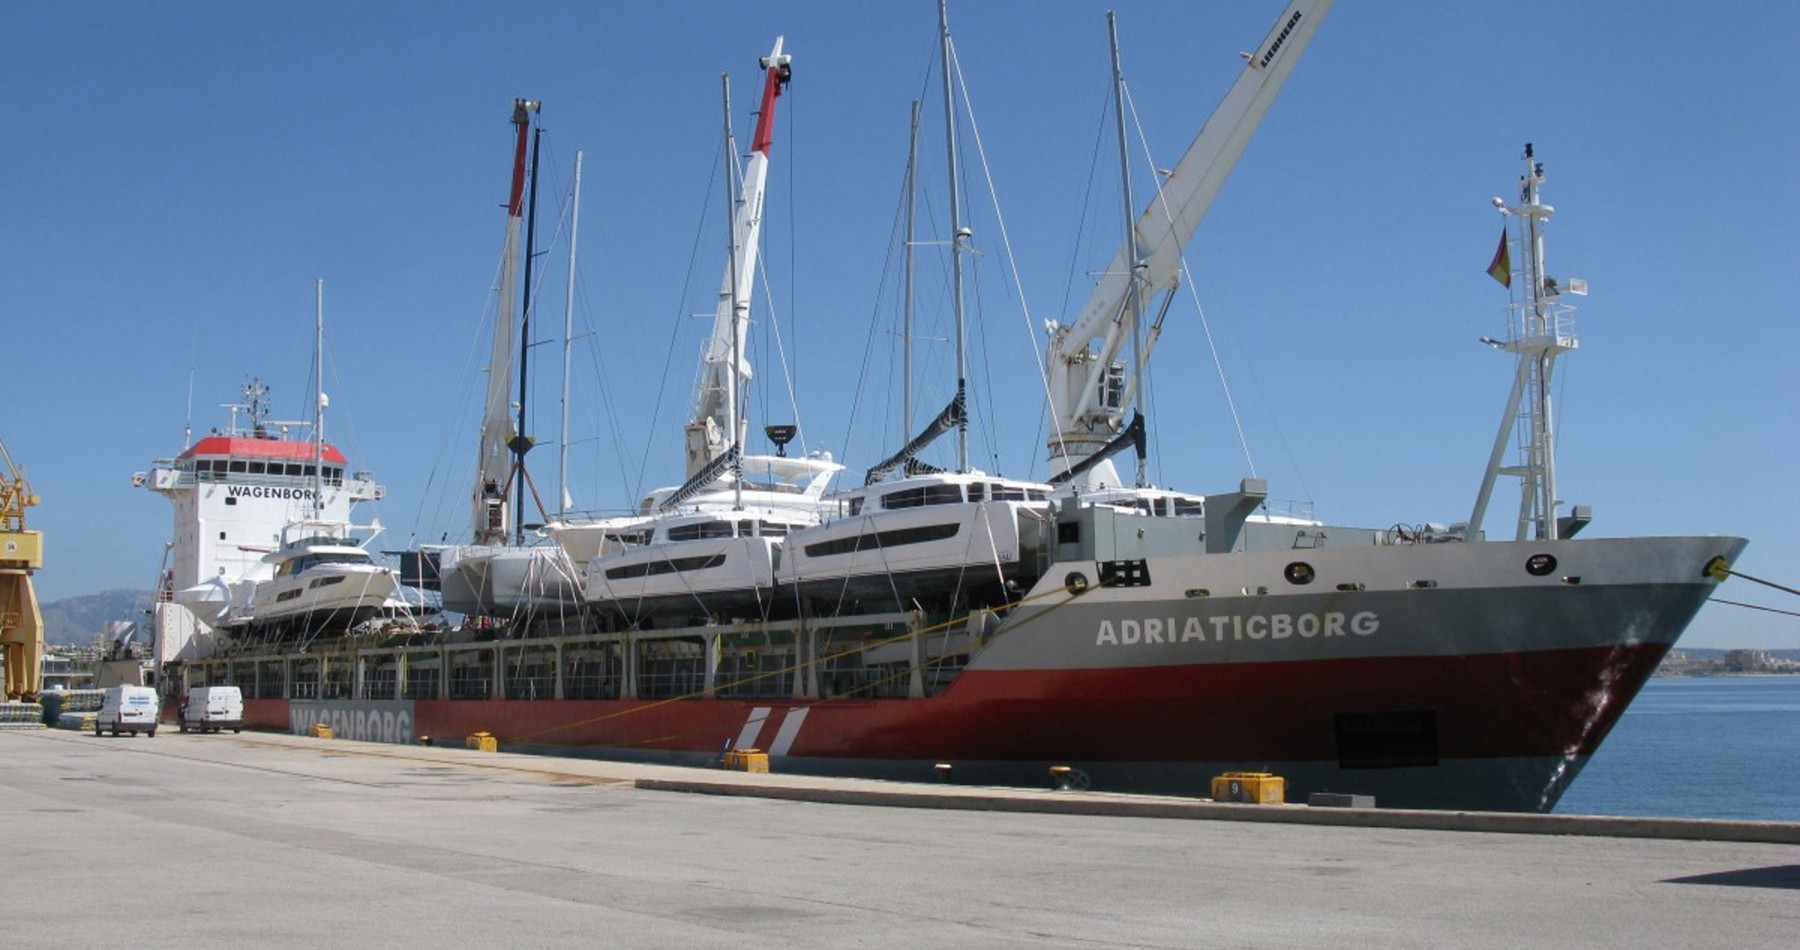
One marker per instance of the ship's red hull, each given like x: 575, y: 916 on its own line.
x: 1536, y: 716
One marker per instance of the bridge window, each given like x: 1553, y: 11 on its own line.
x: 705, y: 529
x: 923, y: 496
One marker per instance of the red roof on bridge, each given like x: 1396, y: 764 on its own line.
x: 284, y: 449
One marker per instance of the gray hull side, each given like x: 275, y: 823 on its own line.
x: 1420, y: 601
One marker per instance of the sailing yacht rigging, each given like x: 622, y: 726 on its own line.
x: 711, y: 546
x: 499, y: 575
x: 942, y: 539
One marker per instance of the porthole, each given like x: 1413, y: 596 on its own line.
x: 1538, y: 565
x: 1076, y: 582
x: 1299, y: 572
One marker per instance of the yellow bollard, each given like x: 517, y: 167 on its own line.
x: 747, y: 760
x: 1255, y: 788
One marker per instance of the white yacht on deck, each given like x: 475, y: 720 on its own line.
x: 922, y: 536
x: 323, y: 578
x: 789, y: 485
x: 706, y: 563
x: 712, y: 546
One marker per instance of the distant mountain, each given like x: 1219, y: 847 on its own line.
x: 79, y: 619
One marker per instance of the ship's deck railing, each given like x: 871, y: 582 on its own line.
x: 829, y: 658
x: 1550, y: 324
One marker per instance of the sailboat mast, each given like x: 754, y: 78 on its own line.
x: 491, y: 518
x: 318, y: 499
x: 957, y: 235
x: 562, y: 436
x: 906, y: 318
x: 1134, y: 295
x: 521, y: 442
x: 733, y: 381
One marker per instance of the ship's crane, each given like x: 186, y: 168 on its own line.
x: 716, y: 427
x: 21, y: 553
x: 1090, y: 385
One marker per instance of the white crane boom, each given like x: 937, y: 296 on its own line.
x: 1088, y: 384
x: 724, y: 368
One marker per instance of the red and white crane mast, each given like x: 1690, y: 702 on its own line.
x: 724, y: 371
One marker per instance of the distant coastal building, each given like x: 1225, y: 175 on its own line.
x: 1748, y: 661
x: 1685, y: 663
x: 68, y: 667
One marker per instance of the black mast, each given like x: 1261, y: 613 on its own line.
x: 522, y: 443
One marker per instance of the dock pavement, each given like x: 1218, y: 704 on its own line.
x: 198, y: 841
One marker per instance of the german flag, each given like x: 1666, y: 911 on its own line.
x: 1501, y: 267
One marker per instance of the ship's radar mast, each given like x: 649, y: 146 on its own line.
x: 1539, y: 328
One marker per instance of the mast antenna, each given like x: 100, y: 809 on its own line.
x: 1540, y: 327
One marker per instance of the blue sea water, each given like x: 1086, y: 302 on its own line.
x: 1699, y: 747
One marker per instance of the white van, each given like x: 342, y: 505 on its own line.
x: 211, y: 708
x: 130, y: 709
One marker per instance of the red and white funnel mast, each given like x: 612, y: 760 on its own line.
x: 710, y: 432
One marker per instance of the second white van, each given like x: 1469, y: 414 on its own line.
x: 211, y: 708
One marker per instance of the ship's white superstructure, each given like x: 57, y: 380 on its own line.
x: 234, y: 492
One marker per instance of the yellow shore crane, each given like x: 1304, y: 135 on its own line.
x: 21, y: 553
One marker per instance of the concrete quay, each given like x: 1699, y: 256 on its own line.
x: 286, y: 841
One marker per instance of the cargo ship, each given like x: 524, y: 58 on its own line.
x: 1138, y: 639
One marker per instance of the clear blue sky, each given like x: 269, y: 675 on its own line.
x: 179, y: 174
